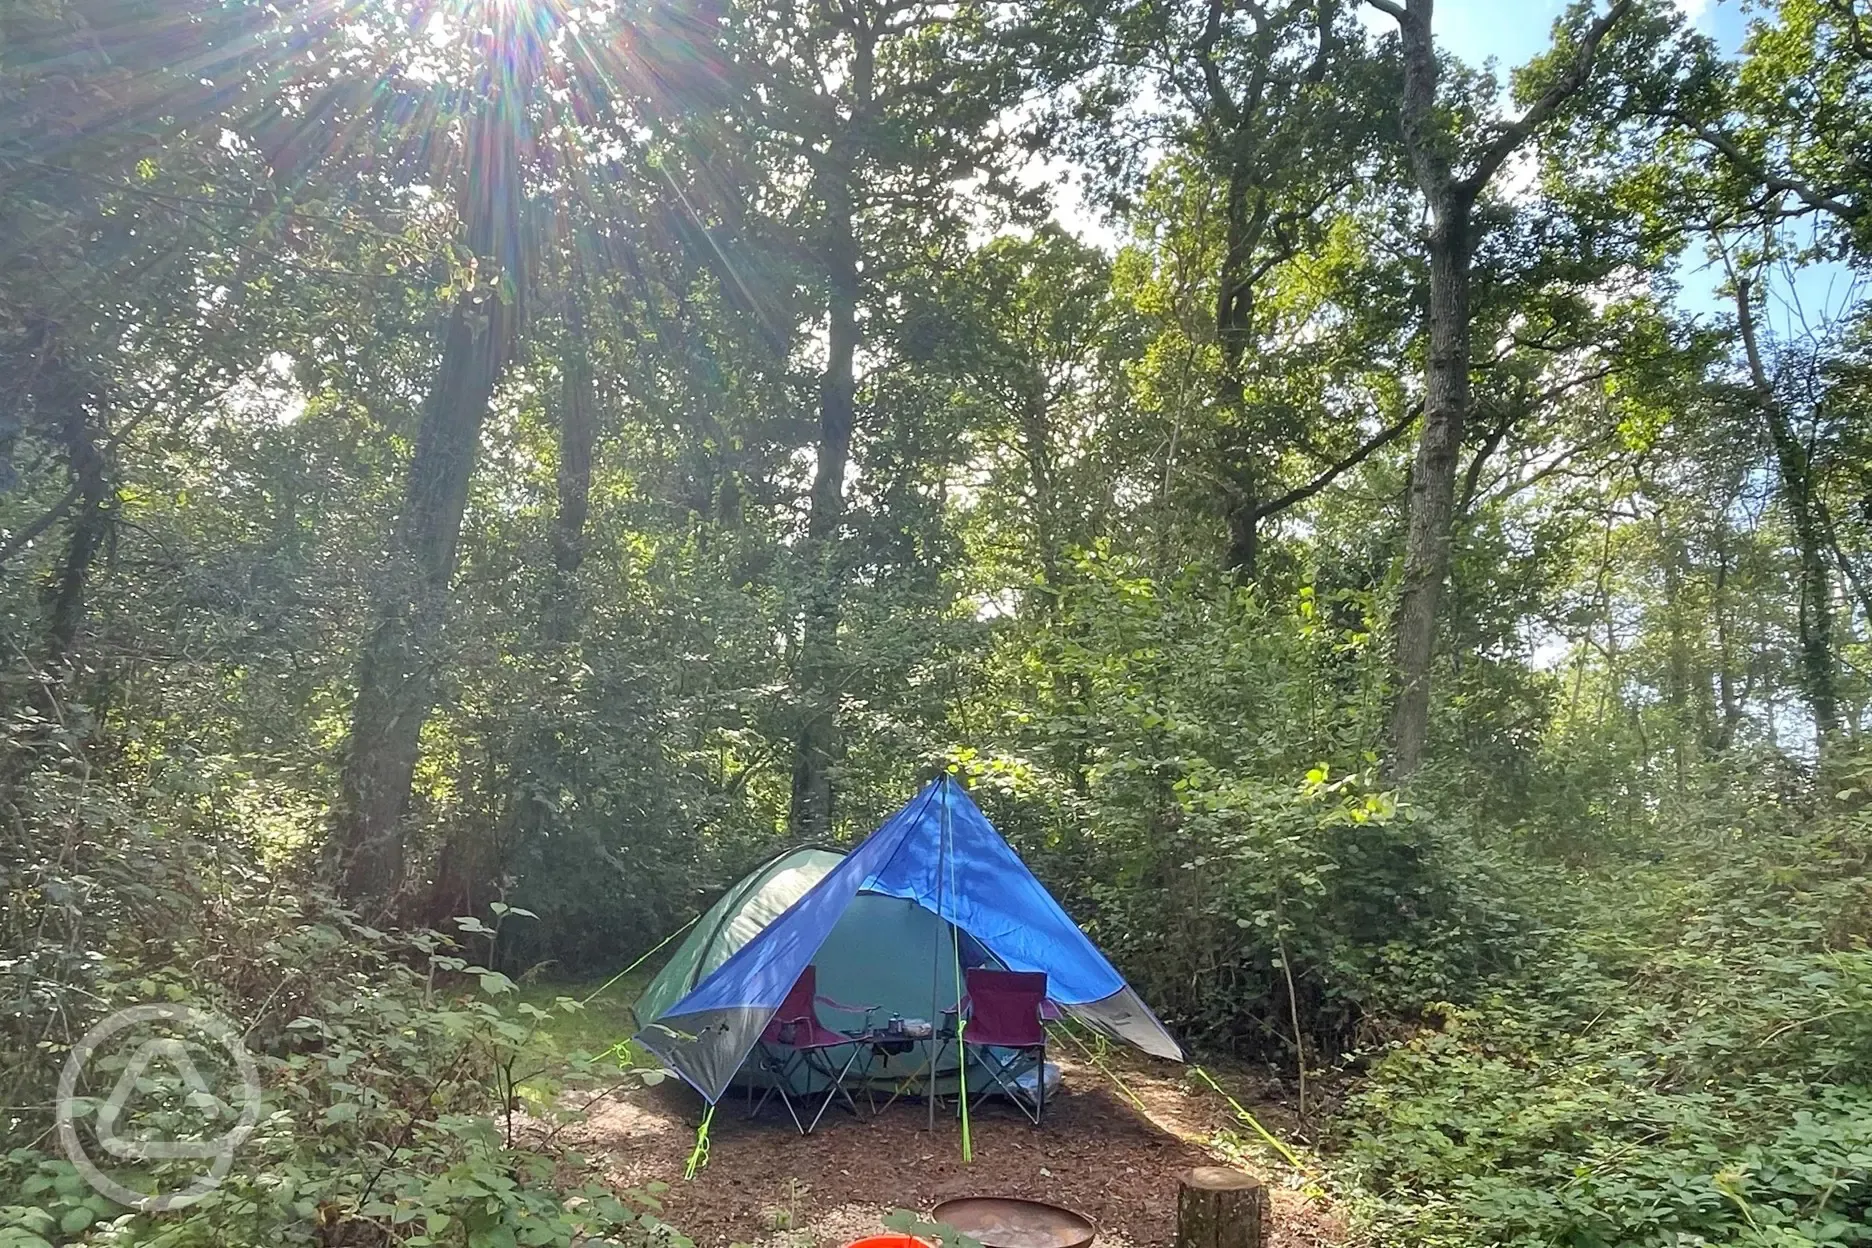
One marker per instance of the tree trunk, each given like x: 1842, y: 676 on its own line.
x: 1451, y: 200
x: 396, y: 672
x: 1685, y: 732
x: 1433, y: 481
x: 1220, y: 1208
x: 1813, y: 547
x: 470, y: 862
x: 1235, y: 310
x: 71, y: 404
x: 1037, y: 447
x: 1241, y: 482
x: 811, y: 813
x: 578, y: 433
x: 1725, y: 664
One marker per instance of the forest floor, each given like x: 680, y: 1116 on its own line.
x: 765, y: 1185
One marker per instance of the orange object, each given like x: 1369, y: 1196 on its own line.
x: 893, y: 1240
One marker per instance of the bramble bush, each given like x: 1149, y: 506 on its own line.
x: 1690, y: 1062
x: 409, y: 1096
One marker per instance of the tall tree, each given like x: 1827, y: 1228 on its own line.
x: 397, y: 670
x: 1267, y: 111
x: 879, y: 108
x: 1772, y: 153
x: 1031, y: 330
x: 578, y: 436
x: 1278, y: 139
x: 811, y: 812
x: 1452, y: 174
x: 1801, y: 491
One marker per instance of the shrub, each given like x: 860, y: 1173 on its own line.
x: 408, y: 1095
x: 1692, y: 1063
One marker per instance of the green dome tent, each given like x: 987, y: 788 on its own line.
x: 754, y: 902
x: 884, y: 951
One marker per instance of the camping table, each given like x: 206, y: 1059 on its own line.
x: 895, y: 1044
x: 879, y: 1044
x: 934, y: 1046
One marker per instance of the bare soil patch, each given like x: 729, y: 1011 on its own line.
x: 766, y: 1185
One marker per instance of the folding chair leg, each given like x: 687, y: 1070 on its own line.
x: 779, y: 1073
x: 786, y: 1098
x: 836, y: 1090
x: 1005, y: 1075
x: 791, y: 1112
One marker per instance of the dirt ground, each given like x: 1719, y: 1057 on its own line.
x: 767, y: 1186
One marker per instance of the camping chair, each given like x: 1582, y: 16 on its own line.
x: 794, y: 1040
x: 1006, y: 1012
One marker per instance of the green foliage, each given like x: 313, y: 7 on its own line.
x: 1190, y: 740
x: 409, y: 1095
x: 1114, y: 531
x: 446, y: 1187
x: 1689, y: 1060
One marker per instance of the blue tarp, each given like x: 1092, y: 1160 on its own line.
x: 941, y: 852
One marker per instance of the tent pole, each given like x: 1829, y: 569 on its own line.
x: 942, y: 849
x: 955, y: 952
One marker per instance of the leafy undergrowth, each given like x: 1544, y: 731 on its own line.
x: 395, y: 1073
x: 1689, y: 1063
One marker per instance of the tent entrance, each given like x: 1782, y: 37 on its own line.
x: 880, y: 953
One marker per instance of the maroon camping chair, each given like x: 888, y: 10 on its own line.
x: 795, y: 1040
x: 1006, y: 1013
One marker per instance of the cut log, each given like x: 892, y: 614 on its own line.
x: 1220, y: 1208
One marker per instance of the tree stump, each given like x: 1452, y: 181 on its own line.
x: 1219, y: 1208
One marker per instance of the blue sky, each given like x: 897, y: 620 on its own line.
x: 1513, y: 31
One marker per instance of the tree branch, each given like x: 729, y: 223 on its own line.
x: 1300, y: 494
x: 1316, y: 72
x: 1205, y: 57
x: 1472, y: 479
x: 1516, y: 132
x: 1851, y: 570
x: 1823, y: 201
x: 1858, y: 38
x: 1751, y: 349
x: 25, y: 536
